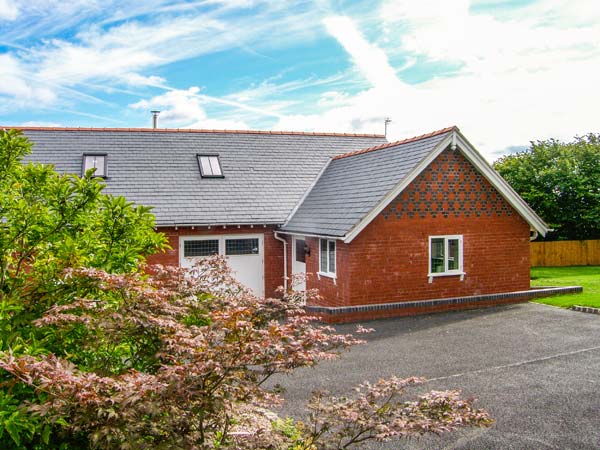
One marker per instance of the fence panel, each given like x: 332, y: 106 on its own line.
x: 565, y: 253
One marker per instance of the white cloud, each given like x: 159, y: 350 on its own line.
x: 8, y: 10
x: 15, y: 85
x: 185, y: 109
x: 526, y: 76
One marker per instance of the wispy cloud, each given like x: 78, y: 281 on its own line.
x: 519, y: 71
x: 524, y: 76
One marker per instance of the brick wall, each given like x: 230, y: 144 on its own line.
x: 389, y: 260
x: 273, y: 249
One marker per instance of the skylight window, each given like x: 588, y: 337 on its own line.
x: 210, y: 166
x: 97, y: 162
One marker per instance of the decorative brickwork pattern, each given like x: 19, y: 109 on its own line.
x: 449, y: 187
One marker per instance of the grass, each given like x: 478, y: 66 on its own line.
x: 586, y: 276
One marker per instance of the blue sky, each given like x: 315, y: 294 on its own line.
x: 505, y: 72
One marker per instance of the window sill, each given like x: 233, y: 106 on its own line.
x: 327, y: 275
x: 431, y: 276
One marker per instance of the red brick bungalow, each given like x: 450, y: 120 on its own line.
x: 382, y: 229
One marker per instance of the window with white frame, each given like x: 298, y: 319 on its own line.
x: 210, y: 166
x: 327, y: 257
x: 95, y: 161
x: 445, y: 255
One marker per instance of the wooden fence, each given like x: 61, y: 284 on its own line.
x: 565, y: 253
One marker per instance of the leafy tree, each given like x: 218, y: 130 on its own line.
x: 100, y: 351
x: 50, y: 222
x: 561, y: 182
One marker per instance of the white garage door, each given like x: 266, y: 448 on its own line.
x: 244, y: 252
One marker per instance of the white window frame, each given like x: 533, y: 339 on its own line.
x: 327, y: 273
x: 456, y: 272
x: 96, y: 173
x: 210, y: 158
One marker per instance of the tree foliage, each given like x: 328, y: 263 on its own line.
x: 100, y: 351
x: 561, y: 182
x: 50, y: 222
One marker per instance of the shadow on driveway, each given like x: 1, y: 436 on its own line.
x: 535, y: 368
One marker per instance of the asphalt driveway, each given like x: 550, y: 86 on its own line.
x: 535, y: 368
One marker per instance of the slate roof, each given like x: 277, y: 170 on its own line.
x: 266, y: 173
x: 354, y: 183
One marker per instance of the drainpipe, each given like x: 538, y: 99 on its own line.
x: 279, y: 238
x: 534, y: 236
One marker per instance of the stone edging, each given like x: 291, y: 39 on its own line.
x: 585, y: 309
x: 472, y: 300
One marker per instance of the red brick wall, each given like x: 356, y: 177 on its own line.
x: 273, y: 249
x: 389, y: 260
x: 334, y: 291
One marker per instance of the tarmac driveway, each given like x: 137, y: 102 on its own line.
x: 535, y: 368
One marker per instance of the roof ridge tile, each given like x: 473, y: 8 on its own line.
x: 393, y: 144
x: 190, y: 130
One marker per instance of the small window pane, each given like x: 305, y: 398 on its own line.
x: 204, y: 247
x: 437, y: 255
x: 331, y: 257
x: 300, y: 254
x: 205, y: 163
x: 324, y: 255
x: 241, y: 247
x: 453, y: 256
x: 214, y: 165
x: 94, y: 162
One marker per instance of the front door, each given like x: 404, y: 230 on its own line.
x: 299, y: 259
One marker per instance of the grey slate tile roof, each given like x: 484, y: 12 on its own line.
x: 266, y: 174
x: 353, y: 185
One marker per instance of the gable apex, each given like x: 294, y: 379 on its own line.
x: 457, y: 142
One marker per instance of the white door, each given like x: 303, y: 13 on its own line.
x: 299, y: 259
x: 244, y: 252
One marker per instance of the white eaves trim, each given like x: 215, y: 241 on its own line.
x: 473, y: 156
x: 320, y: 236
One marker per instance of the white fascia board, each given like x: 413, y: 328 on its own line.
x: 310, y: 188
x: 479, y: 162
x: 501, y: 185
x: 383, y: 203
x: 322, y: 236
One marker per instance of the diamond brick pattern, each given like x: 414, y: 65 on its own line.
x: 449, y: 187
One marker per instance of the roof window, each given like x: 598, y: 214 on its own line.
x: 210, y: 166
x: 95, y: 161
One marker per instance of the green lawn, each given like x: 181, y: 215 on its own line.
x: 586, y: 276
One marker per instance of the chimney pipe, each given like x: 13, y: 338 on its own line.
x: 155, y: 118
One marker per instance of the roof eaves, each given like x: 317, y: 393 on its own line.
x: 394, y: 144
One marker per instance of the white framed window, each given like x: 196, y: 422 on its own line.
x: 327, y: 257
x: 95, y: 161
x: 210, y: 166
x: 445, y: 256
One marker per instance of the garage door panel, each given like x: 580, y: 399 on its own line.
x: 244, y: 253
